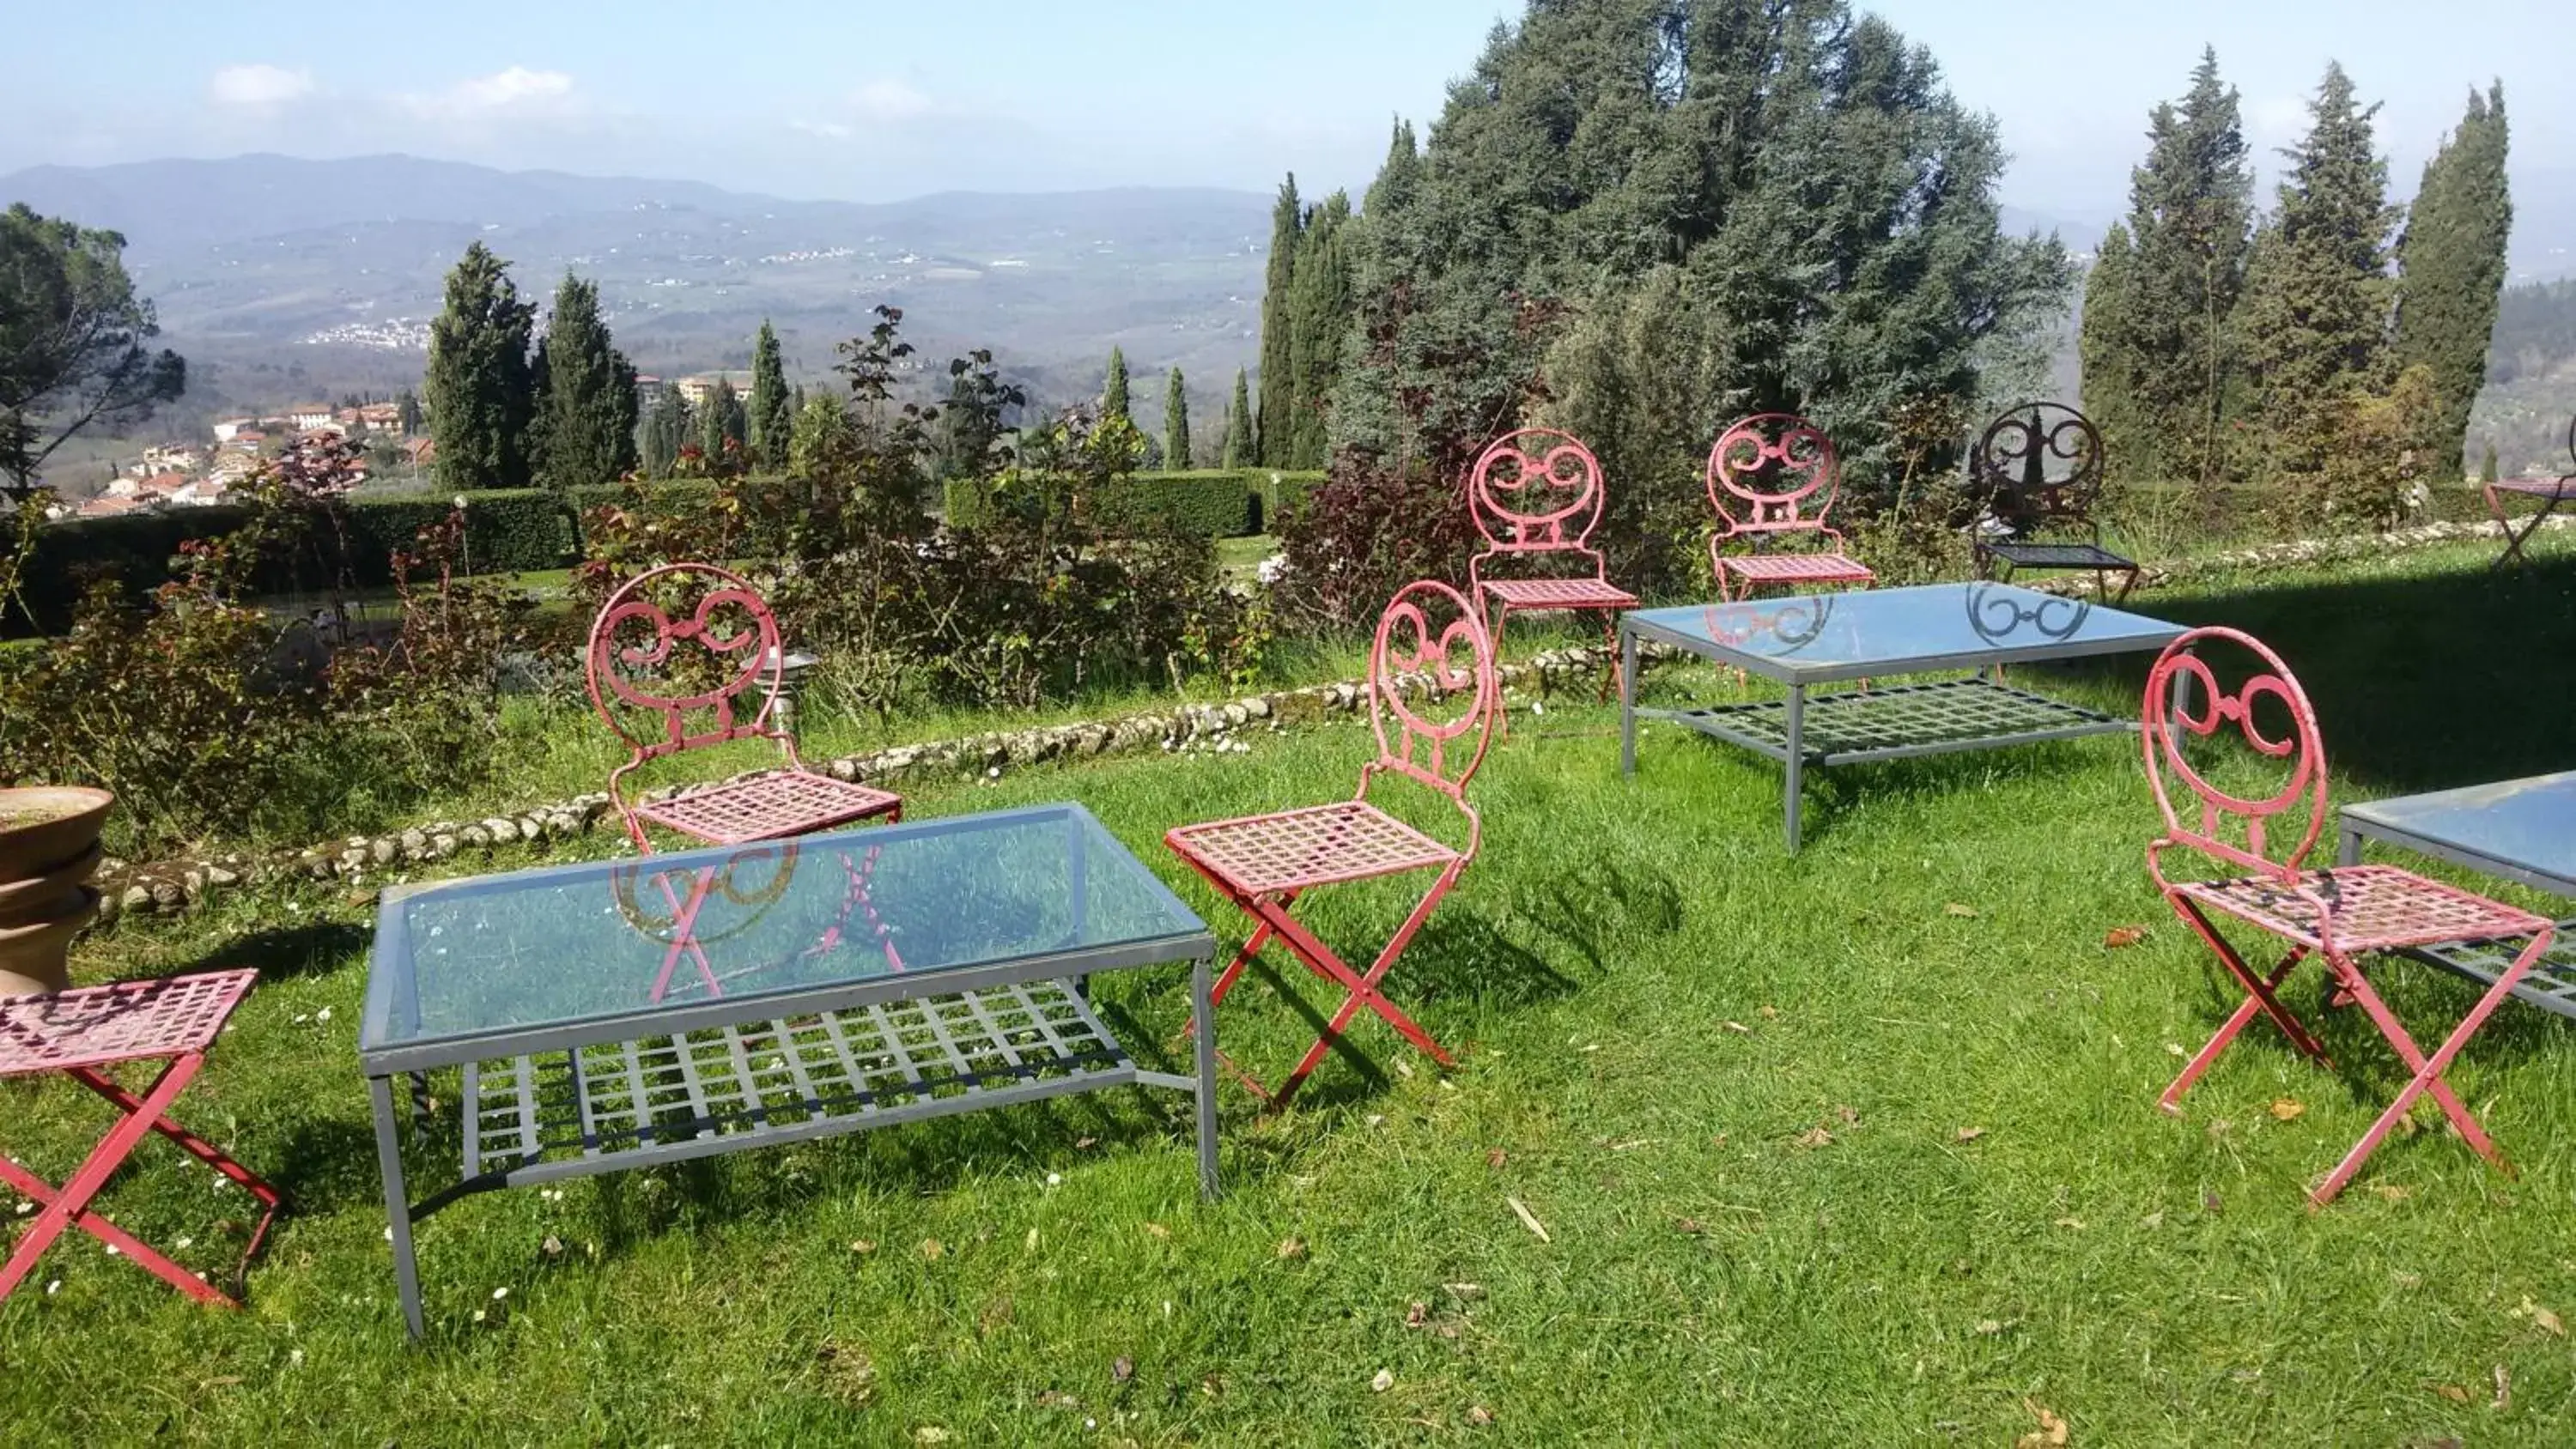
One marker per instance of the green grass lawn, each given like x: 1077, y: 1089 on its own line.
x: 1854, y: 1148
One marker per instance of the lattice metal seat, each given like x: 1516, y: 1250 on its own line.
x: 1537, y: 594
x: 99, y: 1026
x: 2555, y: 488
x: 1295, y: 850
x: 771, y: 806
x: 810, y: 1076
x: 2376, y: 908
x: 1796, y: 568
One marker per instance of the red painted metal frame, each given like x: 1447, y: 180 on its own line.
x: 782, y: 803
x: 680, y: 929
x: 1534, y: 493
x: 1771, y: 477
x: 2550, y: 492
x: 2335, y: 914
x: 80, y: 1032
x: 1265, y: 863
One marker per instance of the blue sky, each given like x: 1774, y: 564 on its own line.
x: 869, y: 100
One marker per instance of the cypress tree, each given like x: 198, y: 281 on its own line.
x: 667, y: 429
x: 2451, y: 271
x: 2167, y: 348
x: 2318, y: 291
x: 2106, y: 355
x: 1176, y: 425
x: 1274, y: 424
x: 409, y: 406
x: 585, y: 412
x: 1238, y: 425
x: 478, y: 388
x: 2487, y: 465
x: 773, y: 413
x: 721, y: 427
x: 1113, y: 392
x: 1319, y: 316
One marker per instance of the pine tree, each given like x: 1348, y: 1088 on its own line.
x: 1113, y: 392
x: 773, y: 412
x: 2315, y: 328
x: 722, y: 425
x: 2451, y: 271
x: 1319, y: 317
x: 584, y: 430
x: 2164, y: 352
x: 667, y: 429
x: 1272, y: 428
x: 2106, y: 356
x: 1238, y: 425
x: 409, y: 406
x: 1176, y: 425
x: 478, y: 388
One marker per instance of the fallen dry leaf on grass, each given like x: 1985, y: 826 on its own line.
x: 1955, y: 908
x: 1122, y: 1370
x: 1384, y: 1381
x: 933, y: 1250
x: 2452, y: 1392
x: 2287, y: 1109
x: 862, y: 1246
x: 1971, y: 1134
x: 1417, y: 1314
x: 1494, y: 1157
x: 1814, y: 1137
x: 2119, y: 936
x: 1849, y: 1115
x: 2392, y: 1192
x: 1686, y: 1225
x: 1292, y: 1247
x: 1739, y: 1028
x: 2504, y: 1387
x: 1767, y: 1013
x: 2052, y: 1432
x: 1479, y: 1415
x: 1529, y: 1219
x: 1159, y: 1231
x: 2545, y: 1320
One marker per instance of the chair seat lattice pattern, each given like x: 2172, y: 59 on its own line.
x: 1798, y: 568
x: 815, y: 1075
x: 772, y: 806
x: 1299, y: 849
x: 97, y: 1026
x: 1533, y: 594
x: 2376, y: 908
x: 2058, y: 556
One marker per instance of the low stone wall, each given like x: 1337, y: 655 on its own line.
x: 174, y: 886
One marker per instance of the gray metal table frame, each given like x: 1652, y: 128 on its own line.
x: 1072, y: 967
x: 1986, y: 666
x: 2357, y: 823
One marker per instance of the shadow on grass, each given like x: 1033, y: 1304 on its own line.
x: 313, y: 948
x: 2420, y: 683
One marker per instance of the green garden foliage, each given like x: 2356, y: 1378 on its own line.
x: 72, y: 343
x: 1238, y: 425
x: 479, y: 388
x: 584, y: 426
x: 1176, y: 424
x: 1210, y: 503
x: 2451, y: 271
x: 1113, y: 388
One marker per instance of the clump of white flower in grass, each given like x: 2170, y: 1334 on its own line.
x: 1271, y: 570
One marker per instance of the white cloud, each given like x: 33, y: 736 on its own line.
x: 516, y: 90
x: 828, y: 130
x: 259, y: 86
x: 890, y: 100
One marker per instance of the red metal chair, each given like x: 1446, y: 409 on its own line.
x: 739, y: 635
x: 1772, y: 478
x: 730, y: 622
x: 1264, y: 863
x: 1536, y: 493
x: 2549, y: 491
x: 80, y: 1033
x: 2337, y: 914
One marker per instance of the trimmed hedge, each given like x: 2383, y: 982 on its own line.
x: 1213, y: 502
x: 506, y: 531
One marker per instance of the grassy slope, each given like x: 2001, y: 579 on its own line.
x: 1708, y: 1278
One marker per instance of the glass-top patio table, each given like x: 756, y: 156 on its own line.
x: 1815, y: 639
x: 2518, y: 830
x: 623, y: 1013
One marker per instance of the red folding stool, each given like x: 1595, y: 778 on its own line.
x: 81, y: 1032
x: 1537, y: 493
x: 1772, y: 478
x: 634, y: 640
x: 1264, y: 863
x: 2336, y: 914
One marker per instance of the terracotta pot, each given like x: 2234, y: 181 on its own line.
x: 48, y: 847
x: 36, y: 958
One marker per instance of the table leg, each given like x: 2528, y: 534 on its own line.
x: 397, y: 1204
x: 2350, y: 851
x: 1797, y: 721
x: 1203, y: 1005
x: 1627, y: 701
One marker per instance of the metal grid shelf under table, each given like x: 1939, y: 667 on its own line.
x: 616, y: 1105
x: 1898, y: 721
x: 2549, y: 985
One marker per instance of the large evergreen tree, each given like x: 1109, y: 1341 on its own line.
x: 585, y: 405
x: 668, y: 428
x: 1273, y: 425
x: 723, y: 427
x: 1238, y: 425
x: 1113, y: 388
x: 2451, y: 271
x: 2160, y: 360
x: 2318, y: 293
x: 479, y: 388
x: 1319, y: 318
x: 1176, y: 425
x: 73, y: 335
x: 773, y: 412
x: 407, y: 407
x: 1824, y: 208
